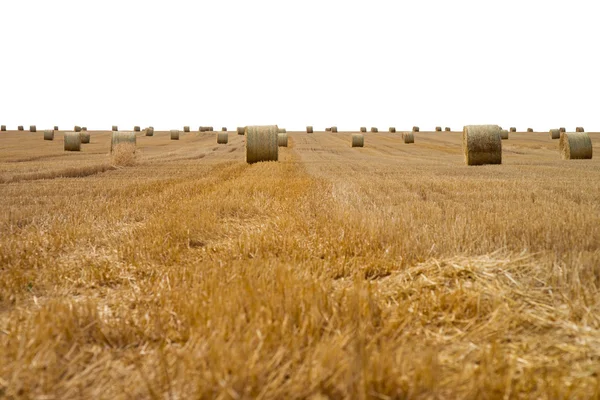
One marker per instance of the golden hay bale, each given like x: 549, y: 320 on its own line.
x: 282, y: 130
x: 223, y: 129
x: 575, y: 145
x: 76, y: 128
x: 210, y: 129
x: 529, y: 129
x: 3, y: 128
x: 408, y: 137
x: 392, y: 129
x: 334, y: 129
x: 48, y: 134
x: 562, y: 129
x: 120, y: 137
x: 358, y: 140
x: 327, y: 129
x: 482, y: 144
x: 309, y: 129
x: 554, y: 133
x: 262, y: 143
x: 282, y: 139
x: 374, y: 129
x: 363, y: 128
x: 55, y: 127
x: 579, y: 129
x: 186, y: 128
x: 503, y: 134
x: 20, y: 127
x: 222, y: 137
x: 115, y: 128
x: 241, y: 130
x: 32, y: 128
x: 513, y: 129
x: 174, y: 134
x: 85, y: 137
x: 84, y: 128
x: 447, y: 129
x: 438, y: 128
x: 136, y: 128
x: 72, y: 141
x: 150, y: 131
x: 415, y: 129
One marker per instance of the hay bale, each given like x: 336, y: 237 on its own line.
x: 408, y: 137
x: 84, y: 128
x: 210, y: 129
x: 562, y: 129
x: 503, y: 134
x: 72, y: 141
x: 438, y: 128
x: 115, y: 128
x: 32, y: 128
x: 150, y: 131
x: 122, y: 137
x: 327, y: 129
x: 309, y: 129
x: 223, y: 129
x: 363, y: 128
x: 392, y: 129
x: 579, y: 129
x: 3, y: 128
x: 262, y: 143
x: 20, y: 127
x: 174, y: 134
x: 241, y: 130
x: 334, y: 129
x: 282, y: 139
x: 575, y: 146
x: 447, y: 129
x: 85, y: 136
x: 482, y: 144
x: 282, y: 130
x: 513, y: 129
x: 529, y: 129
x: 76, y: 128
x: 222, y: 138
x: 554, y: 133
x: 136, y: 128
x: 358, y: 140
x: 48, y: 134
x: 186, y: 128
x: 415, y: 129
x: 55, y: 127
x: 374, y: 129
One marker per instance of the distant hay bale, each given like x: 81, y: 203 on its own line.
x: 374, y: 129
x: 579, y: 129
x: 513, y: 129
x: 408, y: 137
x: 392, y: 129
x: 358, y: 140
x: 20, y: 127
x: 72, y: 141
x: 282, y: 130
x: 241, y: 130
x: 562, y: 129
x: 122, y: 137
x: 223, y: 129
x: 575, y: 146
x: 262, y: 143
x: 503, y: 134
x: 363, y: 128
x: 150, y: 131
x: 186, y: 128
x: 282, y: 140
x: 309, y: 129
x: 115, y: 128
x: 48, y: 134
x: 84, y: 128
x: 438, y: 128
x: 174, y: 134
x: 136, y: 128
x: 3, y: 128
x: 447, y: 129
x: 334, y: 129
x: 222, y: 137
x: 55, y: 127
x: 529, y: 129
x: 85, y: 136
x: 76, y: 128
x: 415, y: 129
x: 202, y: 129
x: 210, y: 129
x: 554, y: 133
x: 327, y: 129
x: 482, y: 144
x: 32, y: 128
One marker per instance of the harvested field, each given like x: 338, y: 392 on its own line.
x: 385, y: 272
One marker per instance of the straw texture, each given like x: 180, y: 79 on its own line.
x: 72, y: 141
x: 261, y: 143
x: 575, y: 146
x: 120, y: 137
x: 554, y: 133
x: 482, y: 144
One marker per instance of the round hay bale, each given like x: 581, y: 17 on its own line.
x: 282, y: 130
x: 363, y: 128
x: 210, y: 129
x: 415, y: 129
x: 358, y: 140
x: 334, y: 129
x: 438, y: 128
x: 482, y: 144
x: 174, y: 134
x: 20, y: 127
x: 32, y: 128
x: 262, y: 143
x: 84, y: 128
x: 309, y: 129
x: 186, y: 128
x: 241, y: 130
x: 327, y: 129
x: 562, y: 129
x: 122, y: 137
x: 72, y: 141
x: 48, y: 134
x: 222, y: 137
x: 3, y: 128
x: 447, y: 129
x: 579, y: 129
x: 392, y: 129
x: 554, y: 133
x: 282, y: 139
x: 223, y: 129
x: 374, y: 129
x: 115, y: 128
x: 85, y: 136
x: 503, y: 134
x: 513, y: 129
x: 575, y: 146
x: 55, y: 127
x: 136, y: 128
x: 76, y: 128
x: 408, y: 137
x: 150, y: 131
x: 530, y: 130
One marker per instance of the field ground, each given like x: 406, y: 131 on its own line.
x: 387, y: 272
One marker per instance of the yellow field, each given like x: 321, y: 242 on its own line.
x: 391, y: 271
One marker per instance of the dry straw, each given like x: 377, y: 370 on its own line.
x: 174, y: 134
x: 123, y: 155
x: 20, y: 127
x: 334, y: 129
x: 115, y: 128
x: 72, y: 141
x: 222, y: 137
x: 363, y: 128
x: 438, y: 128
x: 77, y: 128
x: 408, y: 137
x: 241, y: 130
x: 48, y: 134
x: 358, y: 140
x: 447, y: 129
x: 374, y: 129
x: 575, y: 146
x: 482, y: 144
x: 186, y: 128
x: 32, y: 128
x: 579, y: 129
x: 262, y: 143
x: 392, y: 129
x: 529, y: 129
x: 513, y: 129
x: 415, y: 129
x: 118, y: 138
x: 309, y: 129
x: 504, y: 134
x: 150, y: 131
x: 554, y: 133
x: 282, y: 140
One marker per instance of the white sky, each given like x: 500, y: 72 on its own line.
x: 297, y: 63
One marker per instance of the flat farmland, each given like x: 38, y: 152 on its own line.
x: 392, y: 271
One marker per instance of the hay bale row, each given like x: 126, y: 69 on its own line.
x: 122, y: 137
x: 482, y: 144
x: 438, y: 128
x: 262, y: 143
x: 503, y: 134
x: 415, y: 129
x: 282, y: 139
x: 32, y: 128
x: 363, y: 128
x: 222, y: 138
x: 115, y: 128
x: 575, y: 146
x: 554, y: 133
x: 186, y: 128
x: 358, y: 140
x: 241, y: 130
x: 392, y: 129
x: 309, y: 129
x: 174, y: 134
x: 72, y: 141
x: 48, y: 134
x: 579, y: 129
x: 408, y: 137
x: 20, y: 127
x: 374, y: 129
x: 85, y: 136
